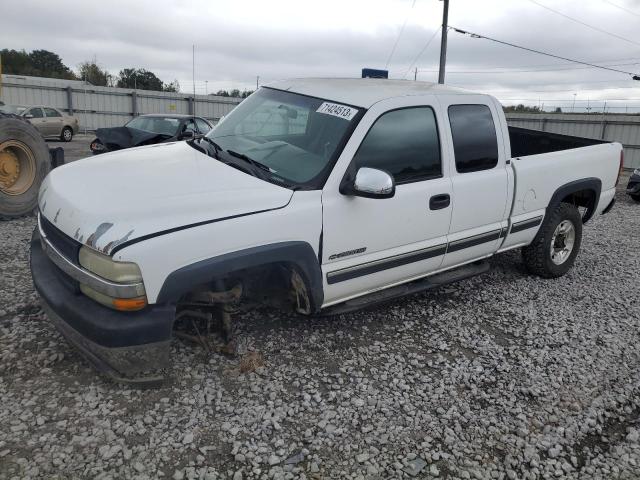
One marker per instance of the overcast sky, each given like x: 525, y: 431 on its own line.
x: 237, y: 40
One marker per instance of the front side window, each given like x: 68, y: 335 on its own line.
x: 36, y: 112
x: 404, y: 143
x: 294, y: 136
x: 475, y: 143
x: 51, y: 112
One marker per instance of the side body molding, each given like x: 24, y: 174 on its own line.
x: 297, y: 254
x: 593, y: 184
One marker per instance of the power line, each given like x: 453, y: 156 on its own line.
x: 421, y: 52
x: 543, y: 70
x: 400, y: 34
x: 597, y: 29
x: 621, y: 8
x: 476, y: 35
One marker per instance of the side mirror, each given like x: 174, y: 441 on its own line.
x: 187, y: 135
x: 372, y: 183
x: 28, y: 115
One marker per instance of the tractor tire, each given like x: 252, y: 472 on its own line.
x: 24, y: 162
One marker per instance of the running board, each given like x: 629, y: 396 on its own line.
x: 434, y: 281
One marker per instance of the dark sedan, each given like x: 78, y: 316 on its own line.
x: 633, y: 187
x: 149, y: 130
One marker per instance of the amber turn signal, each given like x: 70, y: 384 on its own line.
x: 129, y: 304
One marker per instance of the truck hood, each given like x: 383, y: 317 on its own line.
x: 113, y: 198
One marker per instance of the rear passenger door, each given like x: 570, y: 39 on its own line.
x: 54, y: 122
x: 478, y: 176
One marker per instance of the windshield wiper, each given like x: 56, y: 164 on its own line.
x: 217, y: 148
x: 250, y: 160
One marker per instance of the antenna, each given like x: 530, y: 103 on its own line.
x: 193, y: 77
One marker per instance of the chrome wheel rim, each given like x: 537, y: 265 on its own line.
x: 67, y: 134
x: 562, y: 242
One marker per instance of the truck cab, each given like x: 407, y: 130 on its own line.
x: 329, y: 194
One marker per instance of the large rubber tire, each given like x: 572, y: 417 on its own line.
x: 635, y: 196
x: 17, y: 129
x: 537, y: 256
x: 67, y: 134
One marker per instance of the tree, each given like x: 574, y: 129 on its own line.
x: 171, y: 87
x: 39, y: 63
x: 90, y: 71
x: 139, y: 78
x: 49, y: 64
x: 222, y: 93
x: 521, y: 108
x: 234, y: 93
x: 557, y: 110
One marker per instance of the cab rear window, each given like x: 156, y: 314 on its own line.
x: 475, y: 143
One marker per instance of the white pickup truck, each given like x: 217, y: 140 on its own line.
x: 329, y: 194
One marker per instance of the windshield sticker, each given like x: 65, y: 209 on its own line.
x: 337, y: 110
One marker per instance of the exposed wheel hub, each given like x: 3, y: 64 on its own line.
x: 17, y: 167
x: 562, y: 242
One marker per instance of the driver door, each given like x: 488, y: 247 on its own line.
x: 369, y: 244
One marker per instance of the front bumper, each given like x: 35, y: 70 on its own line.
x: 128, y: 346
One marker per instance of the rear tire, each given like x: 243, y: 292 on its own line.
x: 555, y: 247
x: 635, y: 196
x: 24, y: 162
x: 67, y: 134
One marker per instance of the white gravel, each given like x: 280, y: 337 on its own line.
x: 504, y: 376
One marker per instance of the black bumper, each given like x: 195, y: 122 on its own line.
x: 128, y: 346
x: 633, y: 187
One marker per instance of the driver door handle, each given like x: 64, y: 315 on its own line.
x: 438, y: 202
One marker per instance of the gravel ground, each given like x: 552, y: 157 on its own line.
x: 501, y: 376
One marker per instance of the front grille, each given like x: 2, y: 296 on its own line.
x: 67, y: 246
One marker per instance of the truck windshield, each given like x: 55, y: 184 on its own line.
x: 294, y: 136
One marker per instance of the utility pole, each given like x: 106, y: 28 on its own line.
x: 415, y: 74
x: 443, y: 41
x: 573, y: 107
x: 206, y: 87
x: 257, y: 81
x: 193, y: 76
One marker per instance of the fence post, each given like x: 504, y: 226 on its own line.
x: 134, y: 103
x: 191, y: 110
x: 70, y: 100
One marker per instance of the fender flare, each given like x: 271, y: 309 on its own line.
x: 592, y: 183
x: 299, y: 254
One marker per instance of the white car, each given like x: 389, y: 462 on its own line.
x: 329, y: 194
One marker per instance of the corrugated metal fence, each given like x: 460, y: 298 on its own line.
x: 614, y: 128
x: 98, y: 107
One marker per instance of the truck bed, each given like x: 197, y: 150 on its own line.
x: 526, y: 142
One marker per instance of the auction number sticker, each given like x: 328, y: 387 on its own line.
x: 337, y: 110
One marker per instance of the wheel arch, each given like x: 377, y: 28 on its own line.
x: 297, y: 254
x: 584, y: 193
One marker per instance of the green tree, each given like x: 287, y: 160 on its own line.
x: 139, y: 78
x: 39, y: 63
x: 90, y: 71
x: 49, y: 64
x: 171, y: 86
x: 222, y: 93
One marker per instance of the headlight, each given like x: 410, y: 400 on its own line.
x: 636, y: 171
x: 117, y: 272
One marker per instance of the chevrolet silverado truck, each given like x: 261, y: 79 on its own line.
x: 327, y: 195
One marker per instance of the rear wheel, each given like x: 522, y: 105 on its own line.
x: 67, y: 134
x: 555, y: 247
x: 24, y: 162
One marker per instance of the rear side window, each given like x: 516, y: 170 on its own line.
x: 50, y: 112
x: 405, y: 143
x: 474, y: 137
